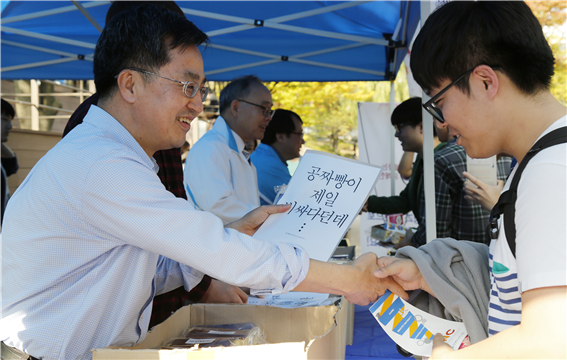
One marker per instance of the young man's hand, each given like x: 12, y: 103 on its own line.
x: 403, y: 271
x: 250, y: 223
x: 441, y: 350
x: 367, y: 287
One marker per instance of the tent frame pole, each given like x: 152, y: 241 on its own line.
x: 428, y: 162
x: 393, y: 169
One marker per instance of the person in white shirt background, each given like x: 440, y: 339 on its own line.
x: 218, y: 174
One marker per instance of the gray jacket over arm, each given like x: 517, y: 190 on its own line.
x: 458, y: 274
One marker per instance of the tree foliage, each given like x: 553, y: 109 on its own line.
x: 552, y: 15
x: 329, y: 109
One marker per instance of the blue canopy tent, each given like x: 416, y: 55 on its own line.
x: 275, y: 40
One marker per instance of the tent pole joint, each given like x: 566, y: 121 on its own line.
x: 396, y: 44
x: 258, y: 22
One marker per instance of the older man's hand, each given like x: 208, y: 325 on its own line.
x: 250, y: 223
x: 366, y: 287
x: 220, y: 292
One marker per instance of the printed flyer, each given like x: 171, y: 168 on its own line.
x: 326, y: 193
x: 413, y: 329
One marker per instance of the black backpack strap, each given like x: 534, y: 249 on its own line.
x: 507, y: 202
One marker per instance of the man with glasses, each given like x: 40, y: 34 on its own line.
x: 91, y: 235
x: 218, y: 176
x: 488, y: 67
x: 170, y: 173
x: 456, y: 216
x: 282, y: 142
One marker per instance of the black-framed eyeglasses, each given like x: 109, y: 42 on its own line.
x: 190, y: 88
x: 268, y: 112
x: 430, y: 105
x: 300, y: 134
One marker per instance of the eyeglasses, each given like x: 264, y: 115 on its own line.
x: 190, y: 88
x: 267, y: 111
x: 297, y: 133
x: 430, y: 105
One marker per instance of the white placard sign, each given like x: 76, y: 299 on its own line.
x: 326, y: 193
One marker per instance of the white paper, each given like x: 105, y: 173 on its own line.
x: 326, y: 193
x: 221, y: 332
x: 413, y: 329
x: 483, y: 169
x: 199, y: 341
x: 291, y: 300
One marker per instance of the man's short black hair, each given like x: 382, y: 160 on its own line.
x: 238, y: 88
x: 281, y: 123
x: 408, y: 112
x: 461, y: 35
x: 119, y: 6
x: 140, y: 37
x: 7, y: 109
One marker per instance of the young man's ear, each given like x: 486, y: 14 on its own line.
x: 486, y: 79
x: 126, y: 83
x: 420, y: 127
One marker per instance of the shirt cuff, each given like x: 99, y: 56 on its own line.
x: 297, y: 261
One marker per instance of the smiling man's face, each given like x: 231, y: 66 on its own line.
x: 163, y: 112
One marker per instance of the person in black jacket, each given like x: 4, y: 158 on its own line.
x: 9, y: 160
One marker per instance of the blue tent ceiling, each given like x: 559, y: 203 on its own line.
x: 275, y: 40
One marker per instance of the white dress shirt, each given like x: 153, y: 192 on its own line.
x: 82, y: 239
x: 218, y: 177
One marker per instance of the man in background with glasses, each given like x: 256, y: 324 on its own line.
x: 219, y: 176
x: 282, y: 142
x: 406, y: 119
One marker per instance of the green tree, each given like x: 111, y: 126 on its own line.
x: 552, y: 16
x: 329, y: 110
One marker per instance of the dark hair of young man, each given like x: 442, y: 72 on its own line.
x: 7, y: 109
x: 123, y: 44
x: 408, y: 112
x: 118, y: 6
x: 473, y: 33
x: 238, y: 88
x: 281, y: 123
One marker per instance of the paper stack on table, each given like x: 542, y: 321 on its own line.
x: 293, y: 300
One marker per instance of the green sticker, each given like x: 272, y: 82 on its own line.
x: 499, y: 268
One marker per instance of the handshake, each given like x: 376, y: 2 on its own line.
x: 366, y: 279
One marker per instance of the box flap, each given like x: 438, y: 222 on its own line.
x: 280, y: 325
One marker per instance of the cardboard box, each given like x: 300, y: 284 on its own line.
x: 318, y: 332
